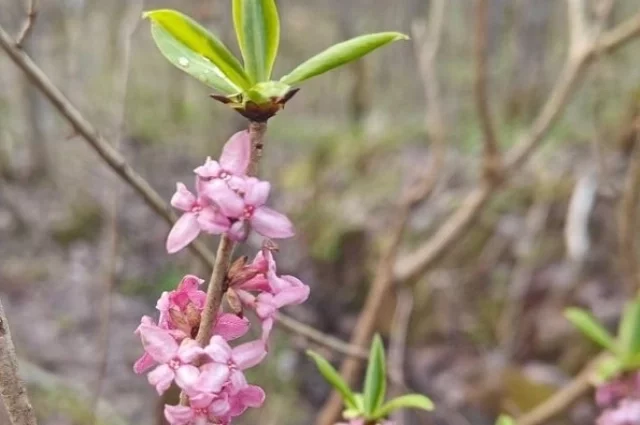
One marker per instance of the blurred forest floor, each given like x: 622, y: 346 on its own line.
x: 486, y: 332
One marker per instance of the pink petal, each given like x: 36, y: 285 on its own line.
x: 183, y: 199
x: 267, y: 327
x: 213, y: 376
x: 189, y: 350
x: 236, y: 153
x: 161, y: 378
x: 158, y: 343
x: 229, y: 326
x: 212, y: 221
x: 201, y: 401
x: 183, y: 232
x: 186, y: 376
x: 190, y: 283
x: 143, y: 364
x: 178, y: 415
x: 258, y: 283
x: 220, y: 406
x: 209, y: 170
x: 249, y: 354
x: 271, y: 223
x: 238, y: 231
x: 257, y: 193
x: 265, y: 306
x: 297, y: 293
x: 229, y: 202
x: 218, y: 349
x: 252, y: 396
x: 237, y: 381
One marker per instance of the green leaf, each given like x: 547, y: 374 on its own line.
x: 629, y: 331
x: 183, y: 38
x: 339, y: 54
x: 505, y: 420
x: 588, y: 325
x: 333, y: 377
x: 192, y: 63
x: 375, y: 381
x: 258, y: 30
x: 412, y: 401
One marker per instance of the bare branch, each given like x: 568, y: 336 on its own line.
x: 414, y: 264
x: 317, y: 337
x: 27, y: 26
x: 579, y: 30
x: 398, y: 343
x: 12, y: 388
x: 563, y: 398
x: 120, y: 166
x: 491, y: 159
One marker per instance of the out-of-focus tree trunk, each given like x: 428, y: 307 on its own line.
x: 531, y: 19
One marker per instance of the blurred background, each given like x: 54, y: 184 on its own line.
x: 82, y: 257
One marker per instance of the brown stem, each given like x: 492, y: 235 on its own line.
x: 216, y: 289
x: 12, y: 389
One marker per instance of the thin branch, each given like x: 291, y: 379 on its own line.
x: 115, y: 161
x: 627, y: 222
x: 27, y: 25
x: 491, y: 158
x: 398, y: 343
x: 12, y: 389
x: 317, y: 337
x: 416, y: 263
x: 563, y: 398
x: 426, y: 51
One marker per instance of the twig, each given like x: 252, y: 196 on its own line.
x: 122, y: 81
x: 27, y: 25
x: 120, y: 166
x: 320, y: 338
x: 491, y: 158
x: 426, y: 50
x: 563, y: 398
x: 416, y: 263
x: 627, y: 221
x: 12, y: 388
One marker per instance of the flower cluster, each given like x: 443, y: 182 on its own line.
x: 211, y: 377
x: 227, y: 200
x: 620, y: 400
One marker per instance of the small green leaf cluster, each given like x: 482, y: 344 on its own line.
x: 201, y: 54
x: 625, y: 348
x: 370, y: 404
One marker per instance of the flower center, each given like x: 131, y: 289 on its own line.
x: 174, y: 364
x: 248, y: 211
x: 224, y: 175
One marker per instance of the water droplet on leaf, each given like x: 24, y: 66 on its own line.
x: 183, y: 62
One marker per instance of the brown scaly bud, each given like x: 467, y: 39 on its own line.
x: 256, y: 111
x: 234, y: 302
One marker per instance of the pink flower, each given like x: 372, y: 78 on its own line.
x: 228, y: 363
x: 233, y: 164
x: 627, y: 413
x: 199, y: 215
x: 247, y: 396
x: 174, y: 360
x: 203, y: 409
x: 181, y: 310
x: 250, y: 208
